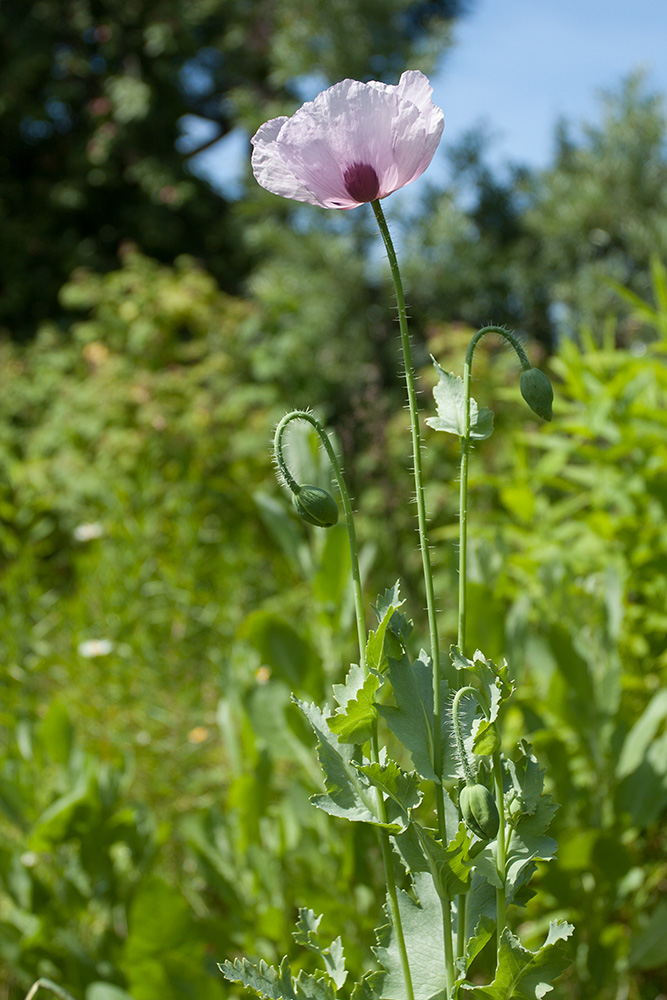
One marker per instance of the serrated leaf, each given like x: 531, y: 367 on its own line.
x: 411, y: 720
x: 485, y: 738
x: 369, y: 987
x: 348, y: 794
x: 523, y: 974
x: 334, y: 960
x: 306, y: 934
x: 523, y: 850
x: 449, y: 395
x: 423, y: 934
x: 483, y: 933
x: 376, y: 655
x: 450, y: 865
x: 266, y: 980
x: 400, y: 788
x: 531, y: 812
x: 315, y: 987
x: 527, y: 782
x: 390, y: 599
x: 494, y: 682
x: 277, y: 984
x: 399, y: 625
x: 481, y: 902
x: 307, y: 929
x: 354, y: 721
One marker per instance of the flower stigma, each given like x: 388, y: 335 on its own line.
x: 361, y: 182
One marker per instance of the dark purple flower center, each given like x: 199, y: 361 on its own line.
x: 361, y: 182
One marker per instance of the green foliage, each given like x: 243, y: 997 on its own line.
x: 154, y: 585
x: 450, y: 402
x: 538, y: 250
x: 411, y: 719
x: 421, y: 916
x: 523, y: 974
x: 277, y: 984
x: 578, y: 511
x: 137, y: 583
x: 106, y: 106
x: 75, y: 848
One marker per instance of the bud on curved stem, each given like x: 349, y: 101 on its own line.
x: 468, y: 772
x: 537, y: 392
x: 478, y: 809
x: 317, y: 506
x: 536, y: 389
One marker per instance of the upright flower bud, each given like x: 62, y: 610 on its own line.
x: 536, y: 390
x: 479, y: 811
x: 316, y: 506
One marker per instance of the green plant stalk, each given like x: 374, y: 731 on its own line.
x: 500, y: 846
x: 450, y: 974
x: 446, y: 909
x: 462, y: 899
x: 421, y: 507
x: 48, y: 984
x: 463, y: 608
x: 392, y: 893
x: 385, y: 846
x: 460, y: 748
x: 347, y: 507
x: 465, y: 456
x: 463, y: 510
x: 426, y: 564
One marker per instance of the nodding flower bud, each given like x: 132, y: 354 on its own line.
x: 479, y: 811
x: 536, y: 390
x: 316, y: 506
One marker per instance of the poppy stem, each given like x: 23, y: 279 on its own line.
x: 383, y: 836
x: 514, y: 341
x: 426, y: 561
x: 347, y: 507
x: 421, y: 506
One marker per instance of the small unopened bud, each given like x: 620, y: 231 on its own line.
x: 316, y: 506
x: 536, y: 390
x: 479, y: 811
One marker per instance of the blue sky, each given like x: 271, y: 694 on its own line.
x: 520, y: 65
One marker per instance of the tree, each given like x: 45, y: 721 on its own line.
x: 542, y: 250
x: 96, y: 95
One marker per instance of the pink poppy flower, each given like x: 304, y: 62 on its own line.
x: 354, y: 143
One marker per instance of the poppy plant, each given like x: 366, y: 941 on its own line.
x: 355, y: 143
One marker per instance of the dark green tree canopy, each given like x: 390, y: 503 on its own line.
x: 94, y: 97
x: 542, y: 250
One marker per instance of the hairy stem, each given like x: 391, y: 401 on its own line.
x: 392, y: 894
x: 421, y: 509
x: 513, y: 340
x: 426, y: 564
x: 465, y: 456
x: 501, y: 846
x: 383, y: 836
x: 463, y: 511
x: 458, y: 736
x: 347, y: 507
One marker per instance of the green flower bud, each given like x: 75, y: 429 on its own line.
x: 316, y: 506
x: 479, y: 811
x: 536, y: 390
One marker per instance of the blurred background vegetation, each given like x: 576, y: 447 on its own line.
x: 158, y: 599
